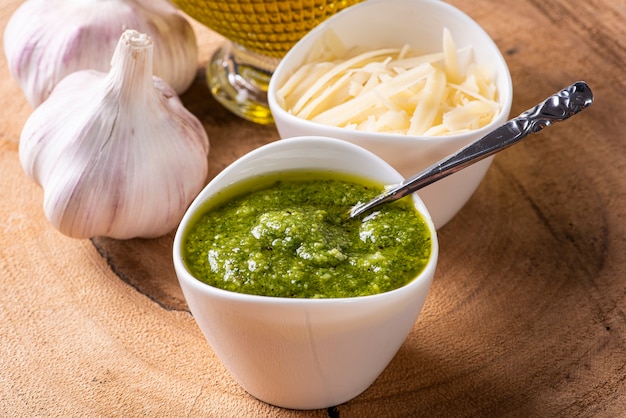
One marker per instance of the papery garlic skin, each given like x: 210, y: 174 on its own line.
x: 117, y: 154
x: 45, y: 40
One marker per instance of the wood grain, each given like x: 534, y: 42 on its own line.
x: 526, y: 315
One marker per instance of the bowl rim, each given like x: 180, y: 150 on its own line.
x: 184, y: 275
x: 505, y: 98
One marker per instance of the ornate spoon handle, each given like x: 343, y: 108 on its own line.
x: 560, y: 106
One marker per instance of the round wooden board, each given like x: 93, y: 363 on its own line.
x: 526, y: 315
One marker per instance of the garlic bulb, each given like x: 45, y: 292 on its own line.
x: 116, y: 153
x: 45, y: 40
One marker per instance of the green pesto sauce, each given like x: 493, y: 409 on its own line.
x: 292, y: 237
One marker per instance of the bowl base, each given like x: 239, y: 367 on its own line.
x: 239, y: 79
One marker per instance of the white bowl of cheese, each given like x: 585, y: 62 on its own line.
x: 411, y: 80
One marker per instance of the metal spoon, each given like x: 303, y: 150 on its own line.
x: 558, y: 107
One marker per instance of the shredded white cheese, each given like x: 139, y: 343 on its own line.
x: 395, y: 90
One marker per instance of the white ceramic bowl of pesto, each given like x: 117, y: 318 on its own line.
x: 393, y: 23
x: 304, y: 353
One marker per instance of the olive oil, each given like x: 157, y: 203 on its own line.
x: 267, y: 27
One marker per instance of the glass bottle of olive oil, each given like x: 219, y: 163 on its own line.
x: 258, y: 33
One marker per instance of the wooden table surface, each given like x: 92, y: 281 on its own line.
x: 526, y: 315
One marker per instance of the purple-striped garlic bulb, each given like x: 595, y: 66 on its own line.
x: 45, y: 40
x: 117, y: 154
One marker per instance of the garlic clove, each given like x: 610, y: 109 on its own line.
x: 117, y: 154
x: 45, y: 40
